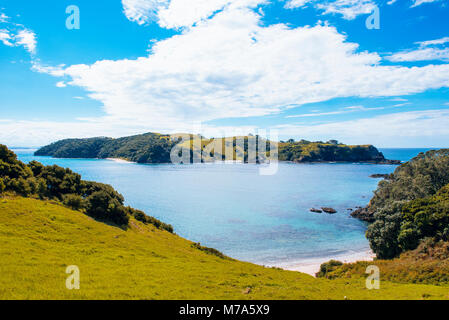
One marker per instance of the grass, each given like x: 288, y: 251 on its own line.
x: 39, y: 239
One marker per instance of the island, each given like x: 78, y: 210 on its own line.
x: 156, y: 148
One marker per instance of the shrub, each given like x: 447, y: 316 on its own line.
x: 211, y: 251
x: 74, y: 202
x: 328, y: 267
x: 102, y: 206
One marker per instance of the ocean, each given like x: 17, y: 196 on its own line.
x: 230, y: 207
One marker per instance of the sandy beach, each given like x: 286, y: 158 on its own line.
x: 119, y: 160
x: 312, y: 266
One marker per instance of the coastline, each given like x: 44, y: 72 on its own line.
x: 118, y: 160
x: 312, y: 266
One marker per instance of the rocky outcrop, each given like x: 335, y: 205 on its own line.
x: 316, y: 210
x: 364, y: 214
x: 380, y: 175
x: 329, y: 210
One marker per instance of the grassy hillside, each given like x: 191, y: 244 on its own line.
x: 39, y: 239
x: 156, y: 148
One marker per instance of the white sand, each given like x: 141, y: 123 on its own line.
x: 119, y: 160
x: 312, y: 266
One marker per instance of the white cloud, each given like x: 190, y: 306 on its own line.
x: 27, y: 39
x: 349, y: 9
x: 391, y: 2
x: 420, y: 2
x: 232, y: 66
x: 179, y: 13
x: 291, y: 4
x: 15, y: 35
x: 433, y: 42
x: 6, y: 38
x: 142, y: 11
x: 428, y: 50
x: 61, y: 84
x: 425, y: 54
x: 3, y: 17
x: 404, y: 129
x: 345, y: 110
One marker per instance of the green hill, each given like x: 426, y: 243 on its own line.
x: 39, y: 239
x: 156, y: 148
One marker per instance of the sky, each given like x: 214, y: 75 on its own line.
x: 359, y: 71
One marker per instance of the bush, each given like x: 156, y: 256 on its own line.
x: 74, y: 202
x: 211, y: 251
x: 328, y: 267
x: 102, y: 206
x: 142, y: 217
x: 2, y: 186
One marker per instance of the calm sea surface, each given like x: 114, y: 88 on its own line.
x: 261, y: 219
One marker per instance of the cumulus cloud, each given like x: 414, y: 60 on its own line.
x: 232, y: 66
x: 179, y: 13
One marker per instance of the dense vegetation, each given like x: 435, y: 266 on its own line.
x: 410, y: 224
x: 39, y: 239
x: 156, y: 148
x: 97, y: 200
x: 306, y: 151
x: 409, y: 206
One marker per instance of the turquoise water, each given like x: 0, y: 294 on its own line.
x: 261, y: 219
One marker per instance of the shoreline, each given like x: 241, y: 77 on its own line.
x: 118, y: 160
x: 312, y: 266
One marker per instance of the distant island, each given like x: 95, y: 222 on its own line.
x: 156, y: 148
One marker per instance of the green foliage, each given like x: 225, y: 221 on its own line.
x: 102, y: 206
x: 411, y: 205
x: 142, y: 217
x: 74, y: 148
x: 156, y: 148
x: 327, y: 267
x: 98, y: 200
x: 211, y: 251
x: 74, y: 202
x: 306, y: 151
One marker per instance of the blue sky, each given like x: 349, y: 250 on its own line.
x: 303, y: 68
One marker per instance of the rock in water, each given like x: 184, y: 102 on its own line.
x: 316, y: 210
x: 329, y: 210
